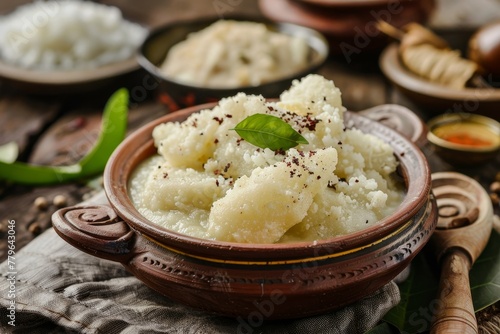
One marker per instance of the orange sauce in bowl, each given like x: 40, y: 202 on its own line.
x: 468, y: 134
x: 466, y: 139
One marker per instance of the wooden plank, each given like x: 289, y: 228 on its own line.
x: 23, y: 119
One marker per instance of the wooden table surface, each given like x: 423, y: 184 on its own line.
x: 59, y: 129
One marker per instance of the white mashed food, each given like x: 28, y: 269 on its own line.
x: 235, y: 54
x: 207, y: 182
x: 66, y: 35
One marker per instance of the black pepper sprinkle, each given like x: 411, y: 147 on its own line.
x: 218, y: 120
x: 356, y: 180
x: 366, y: 222
x: 339, y: 143
x: 226, y: 168
x: 216, y: 141
x: 228, y: 115
x: 402, y: 154
x: 217, y: 183
x: 165, y: 175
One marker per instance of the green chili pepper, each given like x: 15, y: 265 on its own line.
x: 113, y: 129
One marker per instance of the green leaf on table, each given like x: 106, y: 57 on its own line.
x: 419, y: 291
x: 266, y: 131
x: 9, y: 152
x: 383, y: 328
x: 485, y: 275
x: 418, y: 298
x: 113, y: 129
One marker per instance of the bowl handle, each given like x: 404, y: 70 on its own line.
x: 401, y: 119
x: 95, y: 229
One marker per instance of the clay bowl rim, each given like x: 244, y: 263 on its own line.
x: 139, y: 145
x: 395, y: 71
x: 316, y: 41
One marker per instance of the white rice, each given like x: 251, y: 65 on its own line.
x: 67, y: 34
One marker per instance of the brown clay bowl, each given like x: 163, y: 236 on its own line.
x: 292, y: 280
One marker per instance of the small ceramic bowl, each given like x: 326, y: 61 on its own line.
x: 158, y: 43
x: 465, y: 139
x: 234, y: 279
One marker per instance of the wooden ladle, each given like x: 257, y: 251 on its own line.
x: 463, y: 230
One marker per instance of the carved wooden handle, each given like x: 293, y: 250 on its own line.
x: 456, y: 312
x: 95, y: 229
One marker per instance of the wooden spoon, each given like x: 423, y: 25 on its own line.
x: 463, y: 230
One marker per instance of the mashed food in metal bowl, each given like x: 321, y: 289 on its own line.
x: 229, y: 54
x: 207, y: 182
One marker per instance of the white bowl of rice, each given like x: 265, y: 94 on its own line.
x: 54, y: 46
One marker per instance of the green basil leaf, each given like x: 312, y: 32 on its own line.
x: 266, y: 131
x: 113, y: 129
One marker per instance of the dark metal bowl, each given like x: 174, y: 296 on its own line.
x: 158, y: 43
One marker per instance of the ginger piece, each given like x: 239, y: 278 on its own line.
x: 430, y: 57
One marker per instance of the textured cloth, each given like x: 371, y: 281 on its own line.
x: 60, y: 289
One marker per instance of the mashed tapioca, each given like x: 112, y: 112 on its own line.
x: 207, y: 182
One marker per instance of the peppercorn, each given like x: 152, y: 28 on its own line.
x: 59, y: 201
x: 35, y: 228
x: 41, y: 203
x: 495, y: 187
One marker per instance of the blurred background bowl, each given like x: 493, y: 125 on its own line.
x: 434, y: 98
x: 465, y: 139
x: 158, y: 43
x: 349, y: 25
x: 102, y: 79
